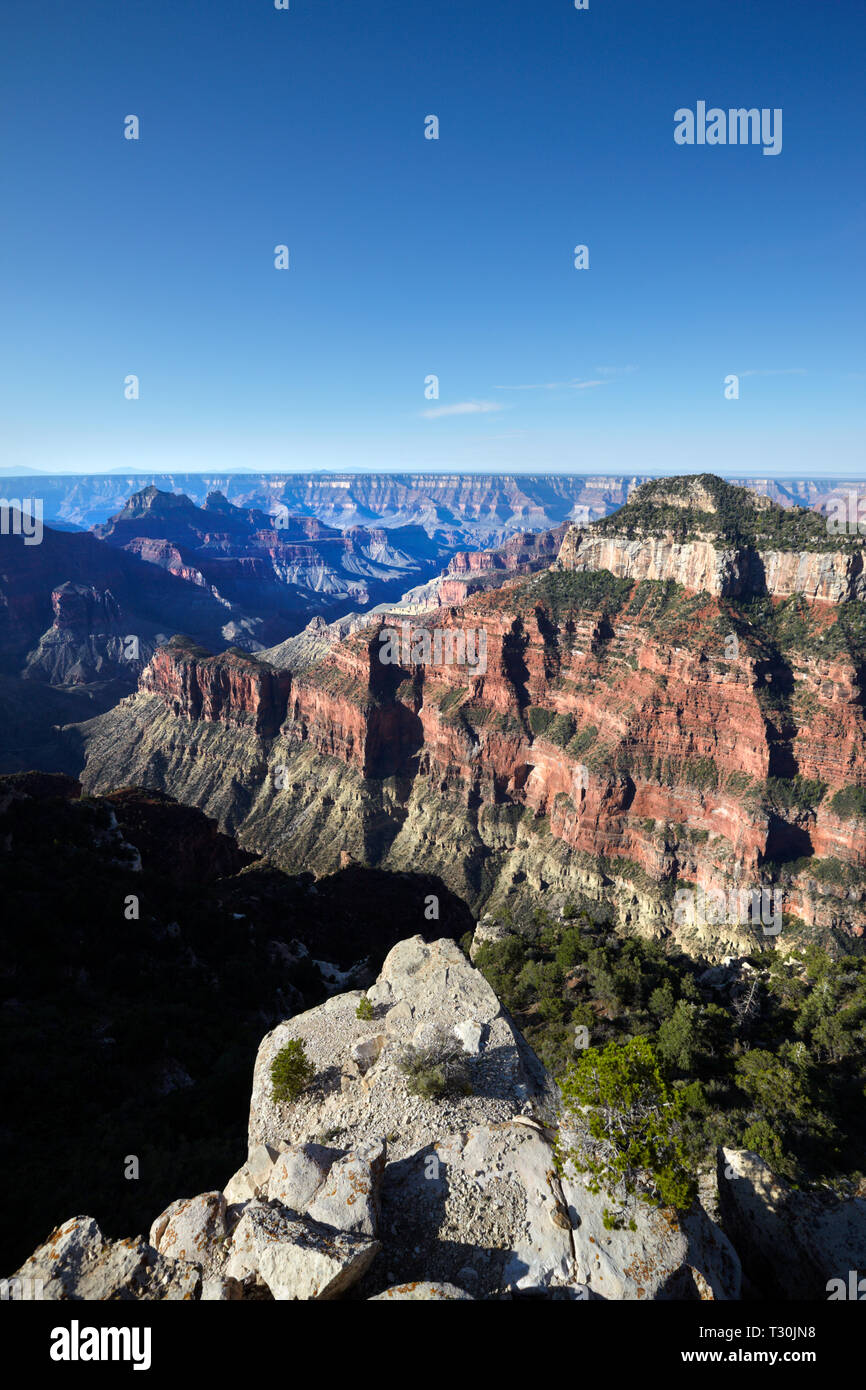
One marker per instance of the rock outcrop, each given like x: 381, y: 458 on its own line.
x: 671, y: 1255
x: 795, y: 1245
x: 472, y: 571
x: 702, y: 565
x: 86, y: 641
x: 711, y: 537
x: 78, y: 1263
x: 235, y: 689
x: 365, y: 1188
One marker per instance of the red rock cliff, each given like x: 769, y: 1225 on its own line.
x: 232, y: 688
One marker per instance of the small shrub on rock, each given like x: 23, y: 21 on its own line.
x: 364, y: 1009
x: 437, y: 1068
x: 291, y: 1072
x: 624, y: 1127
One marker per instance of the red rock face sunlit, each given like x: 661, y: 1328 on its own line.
x: 642, y: 726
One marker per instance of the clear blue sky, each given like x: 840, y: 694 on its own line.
x: 412, y: 256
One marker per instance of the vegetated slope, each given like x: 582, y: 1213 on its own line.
x: 769, y: 1051
x: 704, y: 505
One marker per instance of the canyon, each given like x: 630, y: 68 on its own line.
x: 670, y: 711
x: 81, y: 613
x: 462, y: 509
x: 457, y: 509
x: 275, y: 567
x: 637, y: 731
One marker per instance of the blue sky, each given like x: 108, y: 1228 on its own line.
x: 411, y: 257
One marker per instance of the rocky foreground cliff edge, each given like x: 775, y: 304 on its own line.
x: 363, y: 1190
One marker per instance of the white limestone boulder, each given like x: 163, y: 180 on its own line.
x: 77, y: 1262
x: 297, y: 1175
x: 424, y: 989
x: 349, y: 1196
x: 297, y: 1258
x: 193, y: 1229
x: 483, y: 1207
x: 422, y: 1291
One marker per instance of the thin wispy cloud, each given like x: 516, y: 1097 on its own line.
x: 461, y: 408
x: 776, y: 371
x: 555, y: 386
